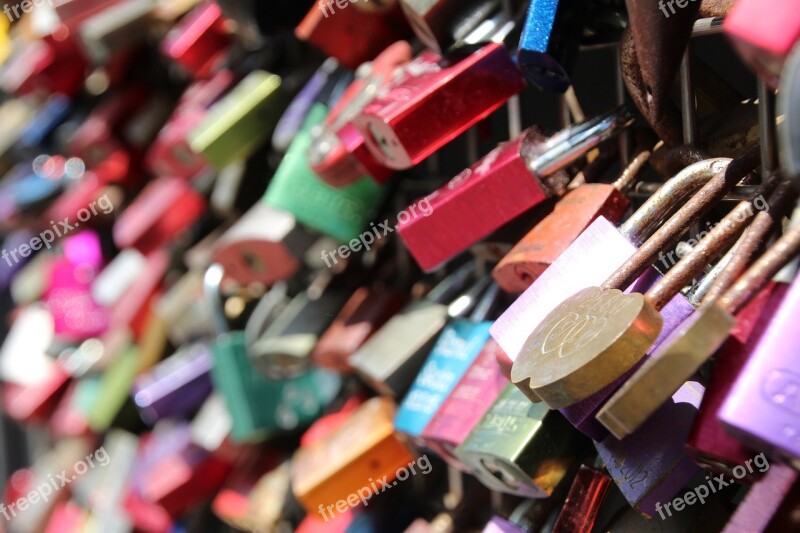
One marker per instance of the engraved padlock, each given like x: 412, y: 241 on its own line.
x: 470, y: 399
x: 455, y: 350
x: 650, y: 465
x: 520, y: 448
x: 620, y: 329
x: 341, y: 213
x: 519, y: 175
x: 435, y: 101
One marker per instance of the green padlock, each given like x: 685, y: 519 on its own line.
x: 260, y: 406
x: 115, y: 389
x: 341, y: 213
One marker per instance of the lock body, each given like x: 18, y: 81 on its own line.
x: 764, y: 35
x: 367, y: 310
x: 442, y: 23
x: 453, y: 354
x: 264, y: 246
x: 296, y: 402
x: 238, y: 124
x: 450, y: 225
x: 200, y: 42
x: 708, y: 443
x: 650, y: 465
x: 392, y: 357
x: 549, y: 43
x: 163, y: 211
x: 542, y: 246
x: 176, y: 386
x: 584, y: 501
x: 364, y: 448
x: 435, y: 101
x: 356, y: 34
x: 463, y: 408
x: 521, y: 448
x: 341, y: 213
x: 761, y: 408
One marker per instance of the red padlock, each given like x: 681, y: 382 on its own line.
x: 200, y: 42
x: 53, y: 64
x: 438, y: 99
x: 355, y: 34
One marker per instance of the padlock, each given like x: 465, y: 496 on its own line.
x: 586, y: 496
x: 549, y: 43
x: 770, y: 505
x: 519, y: 448
x: 389, y: 366
x: 132, y: 311
x: 767, y: 420
x: 53, y: 64
x: 518, y: 175
x: 463, y: 408
x: 338, y: 153
x: 39, y: 130
x: 120, y: 27
x: 264, y: 246
x: 69, y: 419
x: 572, y: 215
x: 708, y: 444
x: 764, y: 35
x: 170, y: 154
x: 367, y: 310
x: 341, y: 213
x: 361, y: 451
x: 35, y: 403
x: 418, y: 114
x: 284, y: 348
x: 73, y: 12
x: 355, y: 35
x: 621, y: 328
x: 565, y: 276
x: 201, y: 41
x: 176, y: 386
x: 238, y: 124
x: 789, y: 125
x: 114, y: 390
x: 231, y: 503
x: 444, y: 23
x: 697, y: 339
x: 165, y: 209
x: 650, y: 465
x: 456, y: 349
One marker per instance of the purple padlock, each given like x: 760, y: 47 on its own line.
x: 650, y: 465
x: 176, y: 386
x: 763, y: 407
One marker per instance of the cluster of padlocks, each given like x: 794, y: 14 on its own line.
x: 248, y: 285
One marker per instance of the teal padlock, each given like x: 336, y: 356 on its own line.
x: 342, y: 213
x: 261, y: 407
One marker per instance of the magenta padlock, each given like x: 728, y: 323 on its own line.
x: 763, y: 407
x: 470, y: 400
x: 517, y: 176
x: 605, y: 249
x: 650, y: 465
x: 76, y: 315
x: 438, y: 99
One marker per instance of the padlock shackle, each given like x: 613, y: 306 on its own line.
x: 745, y: 251
x: 760, y: 273
x: 484, y: 307
x: 673, y: 193
x: 728, y: 175
x: 720, y: 239
x: 455, y: 281
x: 212, y: 280
x: 467, y: 301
